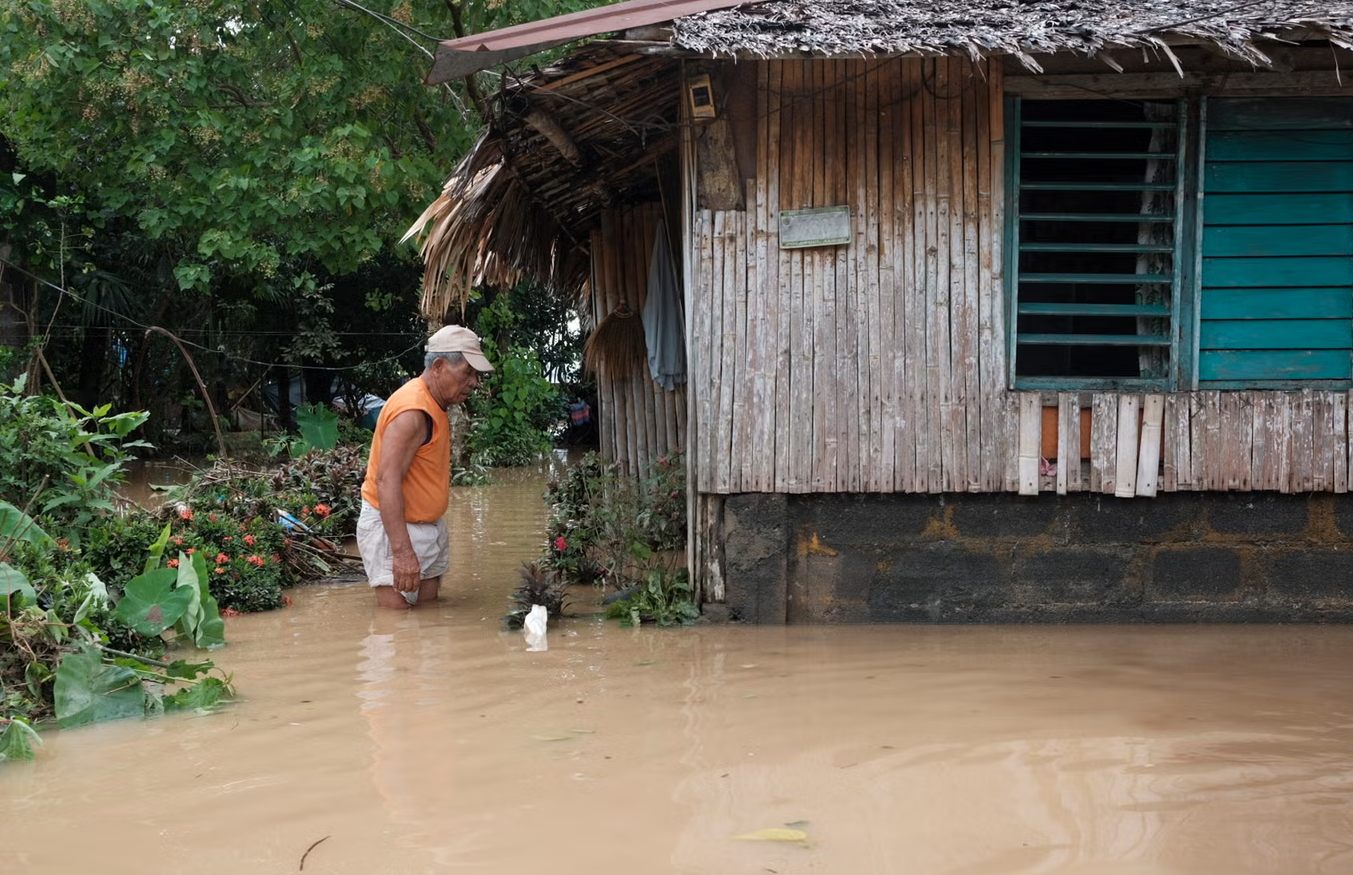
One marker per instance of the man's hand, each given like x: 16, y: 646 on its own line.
x: 407, y: 571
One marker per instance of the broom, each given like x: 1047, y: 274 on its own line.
x: 618, y: 342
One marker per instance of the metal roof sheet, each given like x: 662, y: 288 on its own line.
x: 461, y: 57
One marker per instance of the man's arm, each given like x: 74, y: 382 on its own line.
x: 403, y: 436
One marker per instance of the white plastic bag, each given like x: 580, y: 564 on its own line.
x: 535, y: 628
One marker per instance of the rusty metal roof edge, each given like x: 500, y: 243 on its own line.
x: 469, y: 54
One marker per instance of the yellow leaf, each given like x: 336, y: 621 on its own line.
x: 775, y: 834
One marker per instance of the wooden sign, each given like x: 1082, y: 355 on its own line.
x: 825, y: 226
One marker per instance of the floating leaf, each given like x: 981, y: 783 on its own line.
x: 152, y: 603
x: 775, y: 834
x: 88, y: 691
x: 797, y: 824
x: 553, y: 737
x: 203, y: 694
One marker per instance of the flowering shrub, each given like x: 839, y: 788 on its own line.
x: 612, y: 529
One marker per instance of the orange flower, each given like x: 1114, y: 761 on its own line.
x: 220, y: 570
x: 250, y: 540
x: 305, y: 511
x: 322, y: 509
x: 222, y: 558
x: 185, y: 514
x: 173, y: 563
x: 255, y: 560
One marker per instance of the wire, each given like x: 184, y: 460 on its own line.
x: 229, y: 356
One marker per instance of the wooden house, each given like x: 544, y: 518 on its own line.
x: 993, y: 309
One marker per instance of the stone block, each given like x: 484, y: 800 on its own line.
x: 1103, y: 519
x: 1304, y: 575
x: 1195, y: 574
x: 756, y: 557
x: 1257, y: 514
x: 937, y: 582
x: 843, y: 521
x: 1006, y: 516
x: 1081, y: 575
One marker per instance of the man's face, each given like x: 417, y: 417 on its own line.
x: 459, y: 380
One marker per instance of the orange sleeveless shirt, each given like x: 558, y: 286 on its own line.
x: 427, y: 483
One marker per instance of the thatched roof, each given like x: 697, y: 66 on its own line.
x: 568, y: 142
x: 984, y: 27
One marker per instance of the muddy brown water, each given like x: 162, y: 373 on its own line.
x: 429, y: 741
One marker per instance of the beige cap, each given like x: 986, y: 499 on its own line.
x: 458, y: 338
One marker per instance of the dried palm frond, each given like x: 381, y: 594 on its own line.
x: 618, y: 345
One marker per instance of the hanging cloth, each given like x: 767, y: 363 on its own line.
x: 662, y: 317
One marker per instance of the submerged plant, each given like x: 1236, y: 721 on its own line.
x: 539, y: 585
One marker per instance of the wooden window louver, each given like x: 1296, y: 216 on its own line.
x: 1095, y: 284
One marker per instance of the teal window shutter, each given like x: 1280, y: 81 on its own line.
x: 1094, y: 283
x: 1276, y: 296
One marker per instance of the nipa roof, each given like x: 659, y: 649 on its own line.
x: 1023, y: 29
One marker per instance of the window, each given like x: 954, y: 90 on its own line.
x: 1130, y: 272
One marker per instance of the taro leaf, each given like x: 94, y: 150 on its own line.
x: 88, y: 691
x: 157, y: 549
x: 203, y: 694
x: 17, y: 740
x: 19, y: 526
x: 152, y: 603
x: 187, y: 579
x: 210, y: 629
x: 318, y: 425
x: 12, y: 580
x: 774, y: 834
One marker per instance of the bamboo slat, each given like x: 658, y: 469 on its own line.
x: 1148, y: 455
x: 917, y: 367
x: 1103, y: 443
x: 968, y: 324
x: 1125, y: 477
x: 1068, y: 435
x: 886, y: 354
x: 703, y: 344
x: 1339, y: 417
x: 1030, y: 441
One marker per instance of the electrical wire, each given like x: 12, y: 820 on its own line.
x: 229, y: 356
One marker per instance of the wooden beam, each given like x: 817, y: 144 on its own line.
x: 1140, y: 85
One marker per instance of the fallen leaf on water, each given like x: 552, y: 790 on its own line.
x: 775, y: 834
x: 796, y: 824
x: 553, y: 737
x: 583, y: 731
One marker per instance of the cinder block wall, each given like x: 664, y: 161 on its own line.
x: 959, y: 558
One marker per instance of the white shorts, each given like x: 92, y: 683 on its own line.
x: 430, y: 544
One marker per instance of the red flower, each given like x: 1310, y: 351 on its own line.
x: 211, y: 517
x: 662, y: 461
x: 674, y: 495
x: 276, y: 558
x: 227, y: 538
x: 222, y: 558
x: 250, y: 540
x: 286, y: 600
x: 185, y: 514
x: 191, y: 550
x: 255, y: 560
x: 178, y: 541
x: 229, y: 612
x: 305, y: 511
x: 173, y: 563
x: 560, y: 543
x: 322, y: 509
x: 220, y: 570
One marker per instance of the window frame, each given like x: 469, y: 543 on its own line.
x: 1185, y: 288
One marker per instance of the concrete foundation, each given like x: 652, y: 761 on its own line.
x: 961, y: 558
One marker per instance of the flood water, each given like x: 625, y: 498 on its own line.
x: 429, y: 741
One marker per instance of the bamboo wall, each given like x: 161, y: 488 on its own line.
x: 639, y: 421
x: 880, y: 366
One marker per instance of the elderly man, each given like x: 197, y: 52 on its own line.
x: 401, y: 532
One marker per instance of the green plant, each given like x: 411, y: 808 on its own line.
x: 64, y: 459
x: 56, y: 634
x: 539, y: 585
x: 512, y: 414
x: 663, y: 597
